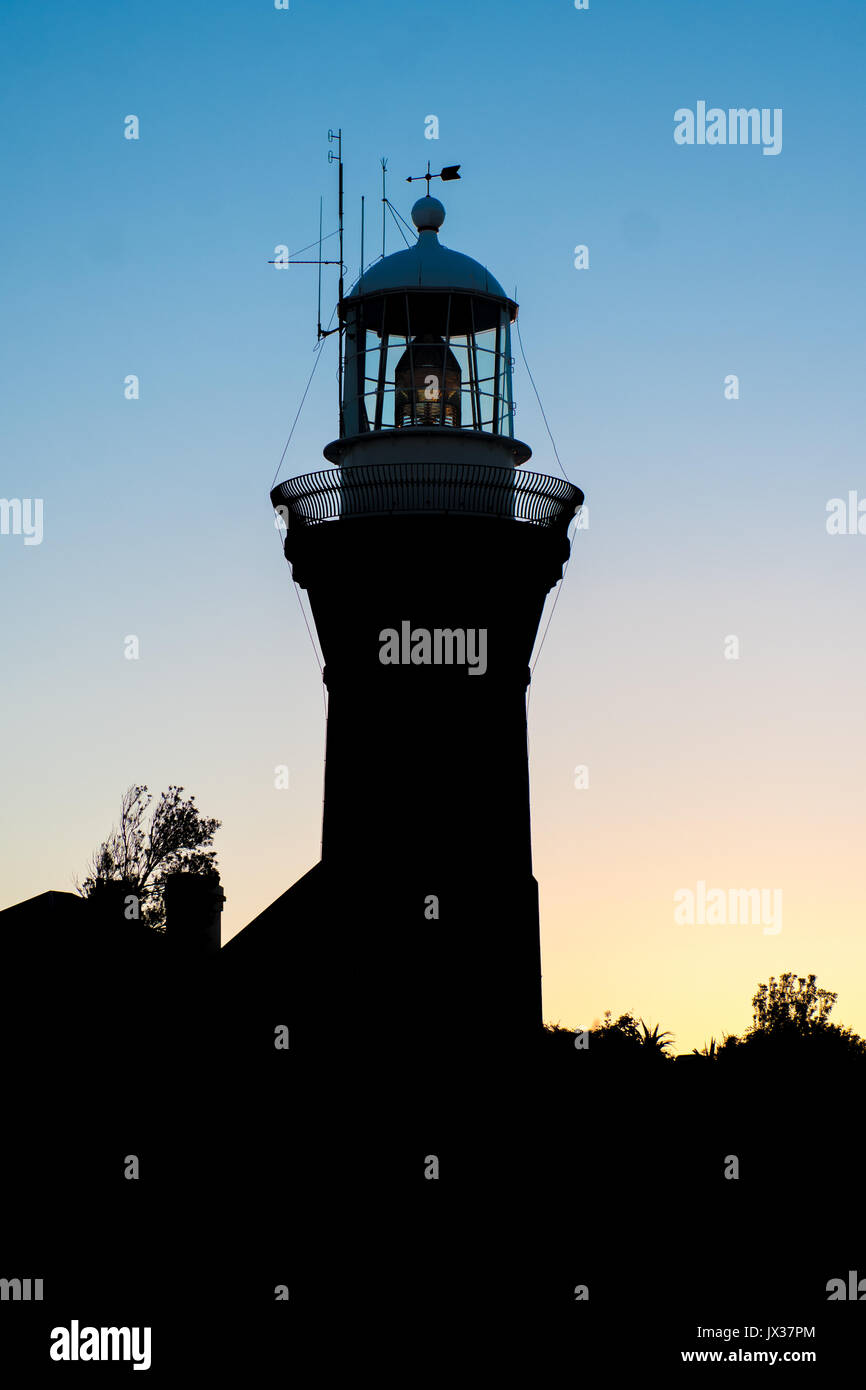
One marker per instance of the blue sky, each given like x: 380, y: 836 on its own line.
x: 707, y: 516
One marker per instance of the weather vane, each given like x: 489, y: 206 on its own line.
x: 448, y: 173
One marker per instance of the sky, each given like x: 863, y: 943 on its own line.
x: 736, y: 765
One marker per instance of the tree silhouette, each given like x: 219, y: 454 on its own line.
x: 790, y: 1022
x: 143, y: 851
x: 793, y: 1004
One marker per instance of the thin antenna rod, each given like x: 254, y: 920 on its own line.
x: 319, y: 310
x: 340, y: 328
x: 340, y: 289
x: 362, y: 243
x: 384, y: 201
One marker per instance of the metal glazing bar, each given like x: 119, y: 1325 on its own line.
x: 477, y: 421
x: 442, y: 401
x: 380, y: 384
x: 496, y: 369
x: 411, y: 359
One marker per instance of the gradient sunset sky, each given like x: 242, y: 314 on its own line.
x: 707, y: 516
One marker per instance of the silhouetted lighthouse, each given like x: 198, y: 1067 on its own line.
x: 427, y: 552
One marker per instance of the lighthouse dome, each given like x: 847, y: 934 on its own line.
x: 428, y: 265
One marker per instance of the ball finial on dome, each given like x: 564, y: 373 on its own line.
x: 428, y: 214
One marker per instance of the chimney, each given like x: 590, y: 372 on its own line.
x: 193, y: 909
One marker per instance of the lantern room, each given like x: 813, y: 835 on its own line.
x: 427, y: 340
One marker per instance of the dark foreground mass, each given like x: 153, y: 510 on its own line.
x: 422, y: 1197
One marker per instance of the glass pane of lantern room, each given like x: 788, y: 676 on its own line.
x: 486, y: 358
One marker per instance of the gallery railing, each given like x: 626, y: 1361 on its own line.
x: 433, y: 488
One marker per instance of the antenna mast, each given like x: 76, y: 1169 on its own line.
x: 319, y: 333
x: 339, y: 158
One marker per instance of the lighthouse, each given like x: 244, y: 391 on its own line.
x: 427, y: 549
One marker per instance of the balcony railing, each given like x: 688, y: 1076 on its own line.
x: 433, y: 489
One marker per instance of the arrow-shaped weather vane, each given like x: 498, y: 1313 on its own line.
x: 448, y: 173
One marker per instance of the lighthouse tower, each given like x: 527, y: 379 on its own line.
x: 427, y: 549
